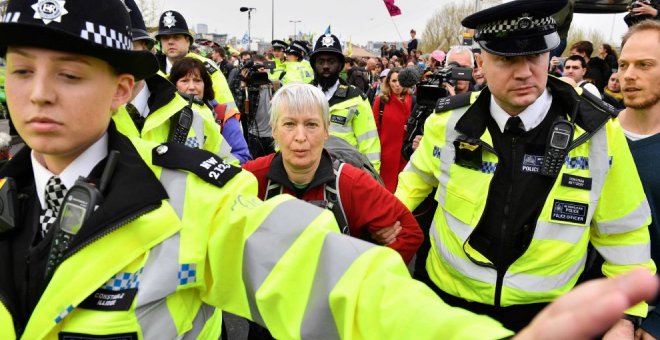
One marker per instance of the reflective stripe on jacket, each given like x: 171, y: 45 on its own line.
x: 616, y: 217
x: 352, y: 121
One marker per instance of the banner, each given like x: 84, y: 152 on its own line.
x: 392, y: 8
x: 327, y: 30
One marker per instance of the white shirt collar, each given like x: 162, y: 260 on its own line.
x: 141, y: 101
x: 81, y: 166
x: 331, y: 90
x: 531, y: 116
x: 168, y: 65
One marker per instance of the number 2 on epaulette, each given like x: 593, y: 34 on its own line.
x: 218, y: 170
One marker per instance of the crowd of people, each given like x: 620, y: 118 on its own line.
x: 165, y: 180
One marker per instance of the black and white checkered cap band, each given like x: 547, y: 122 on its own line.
x: 103, y: 36
x: 518, y: 24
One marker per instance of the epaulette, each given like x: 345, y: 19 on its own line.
x: 210, y: 68
x: 354, y: 92
x: 206, y: 165
x: 342, y: 91
x: 453, y: 102
x: 599, y: 103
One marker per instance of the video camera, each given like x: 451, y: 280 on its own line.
x: 255, y: 76
x: 430, y: 89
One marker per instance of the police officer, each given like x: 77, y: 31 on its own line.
x: 279, y: 57
x: 146, y: 264
x: 156, y: 106
x: 528, y: 174
x: 295, y: 71
x: 350, y: 114
x: 175, y: 40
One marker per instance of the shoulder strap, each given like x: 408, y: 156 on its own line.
x: 333, y: 197
x: 206, y: 165
x: 272, y: 190
x: 382, y: 108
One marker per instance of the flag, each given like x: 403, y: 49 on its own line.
x: 245, y: 39
x: 349, y: 50
x: 392, y: 8
x: 327, y: 30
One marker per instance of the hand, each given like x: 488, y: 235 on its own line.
x: 623, y: 329
x: 387, y: 235
x: 450, y: 89
x: 644, y: 8
x: 641, y: 334
x: 416, y: 140
x: 591, y: 308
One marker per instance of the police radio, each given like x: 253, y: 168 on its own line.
x: 78, y: 205
x: 558, y: 145
x: 181, y: 123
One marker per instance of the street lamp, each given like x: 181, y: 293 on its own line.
x: 249, y: 10
x: 295, y: 35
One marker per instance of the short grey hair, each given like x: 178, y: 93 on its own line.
x: 460, y: 49
x: 299, y: 98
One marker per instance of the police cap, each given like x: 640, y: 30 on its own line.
x: 171, y: 23
x: 100, y: 29
x: 297, y: 48
x: 279, y: 44
x: 520, y: 27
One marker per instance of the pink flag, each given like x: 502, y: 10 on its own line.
x: 392, y: 8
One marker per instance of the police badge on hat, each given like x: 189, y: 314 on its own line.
x: 327, y: 40
x: 169, y: 20
x: 49, y: 10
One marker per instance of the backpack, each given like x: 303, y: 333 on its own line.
x: 341, y: 153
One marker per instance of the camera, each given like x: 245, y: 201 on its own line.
x: 255, y: 75
x: 430, y: 89
x: 638, y: 3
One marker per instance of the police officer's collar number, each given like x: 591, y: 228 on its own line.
x: 204, y: 164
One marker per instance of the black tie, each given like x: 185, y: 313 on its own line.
x: 54, y: 194
x: 136, y: 116
x: 514, y: 126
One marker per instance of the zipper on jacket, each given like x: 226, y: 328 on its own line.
x: 503, y: 229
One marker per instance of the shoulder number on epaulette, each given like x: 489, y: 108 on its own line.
x: 210, y: 68
x: 202, y: 163
x: 453, y: 102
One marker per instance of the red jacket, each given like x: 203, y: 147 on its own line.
x: 368, y: 206
x: 392, y: 131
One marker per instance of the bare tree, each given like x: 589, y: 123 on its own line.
x: 444, y: 29
x: 595, y: 36
x: 151, y: 10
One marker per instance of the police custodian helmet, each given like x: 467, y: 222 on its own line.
x: 99, y: 28
x: 520, y: 27
x: 171, y: 23
x: 139, y: 28
x: 327, y: 43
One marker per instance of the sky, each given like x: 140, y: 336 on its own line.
x: 359, y: 20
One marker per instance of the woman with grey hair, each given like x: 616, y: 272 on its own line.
x: 300, y: 118
x: 302, y: 168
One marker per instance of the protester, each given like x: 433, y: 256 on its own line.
x: 575, y: 67
x: 639, y: 74
x: 607, y: 53
x: 391, y: 111
x: 612, y: 93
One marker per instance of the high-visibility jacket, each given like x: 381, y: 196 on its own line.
x: 295, y: 72
x: 166, y: 245
x: 223, y: 94
x: 164, y: 103
x: 351, y: 119
x: 276, y: 73
x: 605, y: 206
